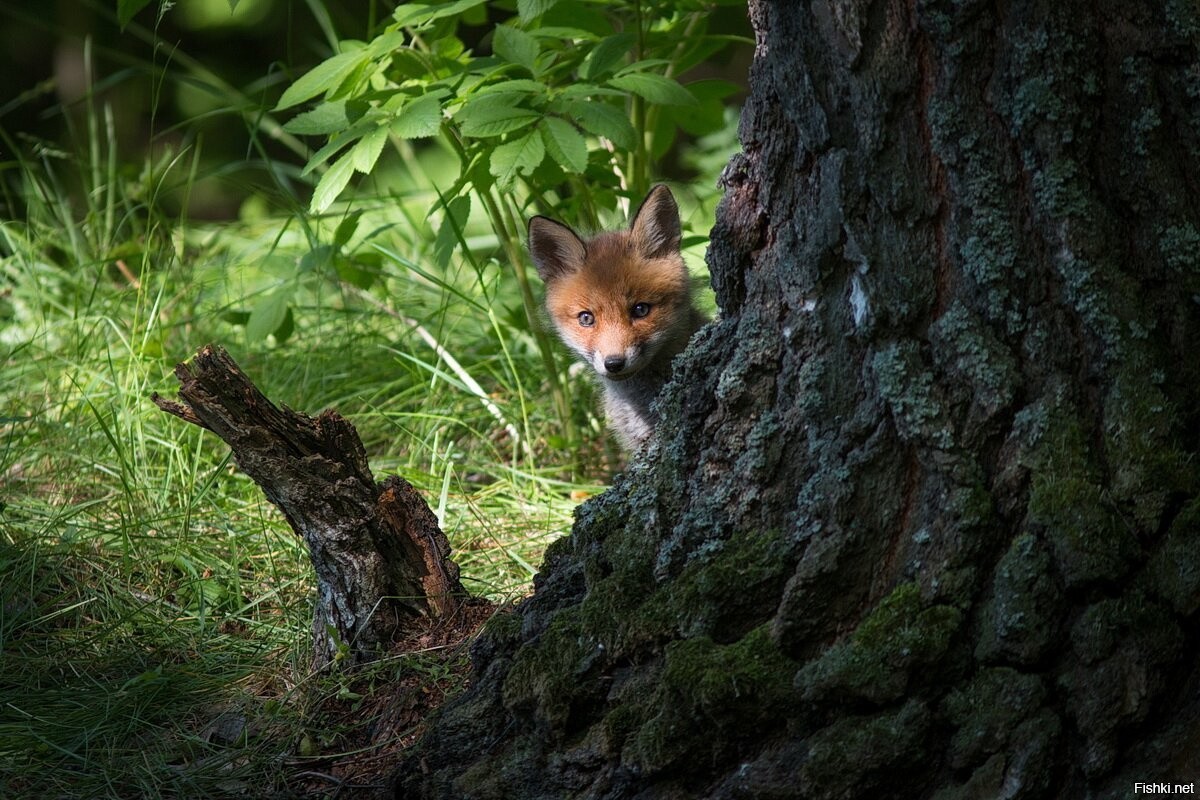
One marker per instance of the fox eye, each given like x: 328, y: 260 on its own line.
x: 639, y: 310
x: 587, y: 319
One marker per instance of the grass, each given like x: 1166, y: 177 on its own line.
x: 154, y: 607
x: 149, y: 594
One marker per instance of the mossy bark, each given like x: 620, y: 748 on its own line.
x: 922, y: 518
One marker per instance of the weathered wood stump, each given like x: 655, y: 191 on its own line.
x: 383, y: 565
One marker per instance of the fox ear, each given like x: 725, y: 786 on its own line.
x: 655, y: 226
x: 555, y: 248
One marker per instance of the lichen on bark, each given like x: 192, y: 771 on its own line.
x: 921, y: 518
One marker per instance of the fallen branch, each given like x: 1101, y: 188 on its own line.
x: 383, y: 565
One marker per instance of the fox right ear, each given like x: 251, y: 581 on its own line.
x: 555, y: 248
x: 655, y: 226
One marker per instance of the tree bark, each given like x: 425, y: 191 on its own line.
x: 922, y: 518
x: 382, y: 563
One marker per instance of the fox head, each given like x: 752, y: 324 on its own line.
x: 622, y: 297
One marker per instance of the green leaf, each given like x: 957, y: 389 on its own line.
x: 709, y: 115
x: 450, y: 233
x: 604, y: 120
x: 340, y: 141
x: 269, y: 315
x: 420, y: 118
x: 654, y: 88
x: 345, y: 230
x: 126, y: 9
x: 606, y: 55
x: 586, y: 91
x: 332, y: 183
x: 409, y: 64
x: 326, y: 152
x: 498, y: 121
x: 285, y: 329
x: 324, y: 119
x: 487, y: 103
x: 518, y: 157
x: 355, y: 271
x: 367, y: 151
x: 649, y: 65
x: 386, y: 44
x: 571, y: 35
x: 412, y: 15
x: 515, y: 86
x: 322, y: 78
x: 564, y: 144
x: 316, y: 259
x: 515, y: 46
x: 532, y: 9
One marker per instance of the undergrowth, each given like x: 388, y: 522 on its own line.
x: 154, y: 607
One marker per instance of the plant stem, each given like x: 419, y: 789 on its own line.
x: 509, y: 240
x: 640, y: 157
x: 506, y: 233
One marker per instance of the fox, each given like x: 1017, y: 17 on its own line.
x: 623, y: 302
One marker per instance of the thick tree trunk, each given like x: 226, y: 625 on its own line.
x: 922, y: 520
x: 382, y: 563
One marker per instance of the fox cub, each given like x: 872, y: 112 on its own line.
x: 623, y: 302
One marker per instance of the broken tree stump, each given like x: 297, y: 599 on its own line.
x: 383, y: 565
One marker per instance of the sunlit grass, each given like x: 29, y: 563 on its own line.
x: 155, y: 609
x: 147, y: 586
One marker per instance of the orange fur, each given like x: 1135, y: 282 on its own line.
x: 613, y: 278
x: 622, y: 301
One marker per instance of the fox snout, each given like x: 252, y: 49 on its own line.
x: 617, y: 364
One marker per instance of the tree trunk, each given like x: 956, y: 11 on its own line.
x: 383, y: 565
x: 922, y: 518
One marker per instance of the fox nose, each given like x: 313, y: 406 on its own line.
x: 614, y: 364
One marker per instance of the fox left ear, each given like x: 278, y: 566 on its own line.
x: 655, y: 226
x: 555, y: 249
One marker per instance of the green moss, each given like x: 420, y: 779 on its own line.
x: 504, y: 628
x: 987, y: 710
x: 876, y: 661
x: 1125, y: 647
x: 547, y: 677
x: 1020, y: 618
x: 712, y: 695
x: 851, y: 756
x: 1173, y: 572
x: 1028, y: 761
x: 735, y: 579
x: 626, y: 611
x: 1131, y: 621
x: 1090, y: 543
x: 493, y: 776
x: 1146, y: 463
x: 723, y: 681
x: 621, y: 722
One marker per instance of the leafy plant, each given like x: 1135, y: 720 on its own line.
x: 567, y: 112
